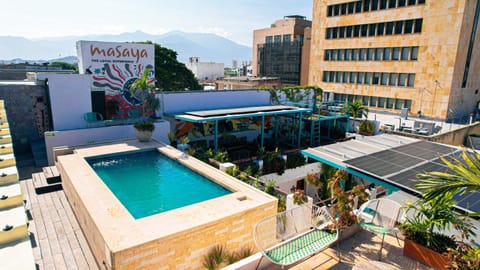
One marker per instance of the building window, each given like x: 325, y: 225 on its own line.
x: 418, y: 26
x: 389, y: 28
x: 338, y: 77
x: 380, y: 29
x: 368, y: 78
x: 378, y: 54
x: 348, y: 54
x: 363, y: 54
x: 402, y: 79
x: 341, y: 54
x: 334, y: 55
x: 366, y: 5
x: 341, y: 32
x: 373, y: 101
x: 398, y: 27
x: 384, y: 79
x: 331, y: 77
x: 396, y: 54
x: 354, y: 54
x: 405, y: 53
x: 360, y: 77
x: 408, y: 27
x: 345, y: 77
x: 277, y: 39
x: 353, y: 77
x: 398, y: 104
x: 374, y: 5
x: 411, y: 80
x: 268, y: 39
x: 348, y: 32
x: 414, y: 54
x: 393, y: 79
x: 392, y: 3
x: 387, y: 54
x: 351, y: 7
x: 372, y: 29
x: 364, y: 30
x: 371, y: 53
x: 365, y: 100
x: 381, y: 102
x: 402, y: 3
x: 326, y: 57
x: 360, y: 6
x: 390, y: 103
x: 376, y: 78
x: 383, y: 4
x: 408, y: 104
x: 287, y: 38
x: 356, y: 30
x: 411, y: 2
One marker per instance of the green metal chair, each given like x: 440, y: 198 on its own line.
x: 380, y: 216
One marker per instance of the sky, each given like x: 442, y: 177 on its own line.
x: 234, y: 20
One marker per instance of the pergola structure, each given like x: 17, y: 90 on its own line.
x: 236, y: 113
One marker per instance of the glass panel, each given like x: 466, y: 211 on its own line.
x: 414, y: 55
x: 393, y: 79
x: 348, y: 54
x: 365, y: 100
x: 341, y: 54
x: 383, y: 4
x: 334, y: 55
x: 381, y: 102
x: 405, y: 53
x: 421, y: 1
x: 390, y: 103
x: 348, y: 32
x: 329, y: 33
x: 355, y: 54
x: 343, y: 9
x: 287, y: 38
x: 384, y: 79
x: 351, y: 7
x: 353, y: 77
x: 389, y: 28
x: 373, y: 101
x: 371, y: 53
x: 398, y: 104
x: 378, y: 54
x: 376, y: 78
x: 396, y: 54
x: 374, y: 5
x: 345, y: 77
x: 338, y: 77
x: 391, y: 3
x: 387, y: 54
x: 325, y: 76
x: 334, y: 32
x: 268, y: 39
x: 402, y: 3
x: 380, y: 29
x: 368, y: 78
x: 372, y: 30
x: 398, y: 27
x: 360, y: 77
x: 330, y: 11
x: 364, y: 30
x: 358, y: 7
x: 402, y: 79
x: 277, y: 39
x: 331, y: 77
x: 366, y: 5
x: 411, y: 80
x: 418, y: 25
x: 350, y: 98
x: 341, y: 32
x: 363, y: 54
x: 408, y: 27
x: 336, y: 10
x: 327, y: 55
x: 408, y: 103
x: 356, y: 30
x: 411, y: 2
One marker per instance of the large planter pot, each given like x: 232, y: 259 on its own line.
x: 143, y: 135
x: 424, y: 255
x: 349, y: 232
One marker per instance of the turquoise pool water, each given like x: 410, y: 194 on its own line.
x: 148, y: 183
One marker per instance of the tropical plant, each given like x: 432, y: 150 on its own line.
x: 313, y: 179
x: 464, y: 177
x: 172, y: 139
x: 270, y: 187
x: 367, y: 127
x: 184, y: 140
x: 142, y: 88
x: 144, y: 126
x: 464, y: 257
x: 299, y: 197
x: 215, y: 257
x: 431, y: 217
x: 235, y: 256
x: 342, y: 201
x: 356, y: 109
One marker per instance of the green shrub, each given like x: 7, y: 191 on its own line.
x: 144, y: 126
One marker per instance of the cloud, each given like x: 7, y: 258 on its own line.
x: 214, y: 30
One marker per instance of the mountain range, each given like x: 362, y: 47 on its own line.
x: 209, y: 47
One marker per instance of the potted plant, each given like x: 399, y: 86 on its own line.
x: 343, y: 203
x: 172, y: 139
x: 143, y: 88
x: 423, y: 242
x: 144, y: 130
x: 299, y: 197
x: 366, y: 128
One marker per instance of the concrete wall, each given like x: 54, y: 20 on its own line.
x: 96, y: 135
x: 19, y: 104
x: 206, y: 70
x: 70, y: 98
x: 178, y: 102
x: 457, y: 137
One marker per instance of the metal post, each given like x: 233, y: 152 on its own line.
x: 300, y: 129
x: 262, y: 130
x: 216, y: 136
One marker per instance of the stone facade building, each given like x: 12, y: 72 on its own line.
x: 237, y: 83
x: 278, y: 50
x: 394, y: 54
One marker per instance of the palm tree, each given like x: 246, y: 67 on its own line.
x: 356, y: 108
x: 464, y: 176
x: 143, y: 87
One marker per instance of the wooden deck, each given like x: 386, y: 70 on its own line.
x: 57, y: 240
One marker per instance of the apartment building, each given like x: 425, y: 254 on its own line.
x: 392, y: 54
x: 277, y: 50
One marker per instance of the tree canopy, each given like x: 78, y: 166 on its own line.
x: 170, y: 74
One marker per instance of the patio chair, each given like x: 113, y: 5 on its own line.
x: 294, y: 235
x: 93, y: 119
x: 380, y: 216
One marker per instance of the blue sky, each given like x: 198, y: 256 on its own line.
x: 235, y: 20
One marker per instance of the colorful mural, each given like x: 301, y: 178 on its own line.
x: 114, y: 68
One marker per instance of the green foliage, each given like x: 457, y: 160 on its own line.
x: 270, y: 187
x: 282, y: 204
x: 464, y: 257
x: 295, y: 160
x: 356, y: 109
x: 170, y: 74
x: 221, y: 156
x: 243, y: 252
x: 273, y: 162
x: 327, y: 173
x: 64, y: 65
x: 171, y: 137
x: 215, y: 257
x: 430, y: 215
x: 313, y: 179
x: 367, y: 127
x: 295, y: 94
x: 299, y: 197
x: 184, y: 140
x: 144, y: 126
x: 143, y: 88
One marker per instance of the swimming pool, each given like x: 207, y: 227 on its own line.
x: 148, y: 183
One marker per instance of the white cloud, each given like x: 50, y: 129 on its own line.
x: 214, y: 30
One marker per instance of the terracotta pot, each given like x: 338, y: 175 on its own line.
x: 143, y: 135
x: 424, y: 255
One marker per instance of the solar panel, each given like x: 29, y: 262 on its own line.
x: 469, y: 201
x: 424, y: 150
x: 406, y: 178
x: 246, y: 110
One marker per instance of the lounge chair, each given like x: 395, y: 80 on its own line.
x: 294, y: 235
x: 93, y: 119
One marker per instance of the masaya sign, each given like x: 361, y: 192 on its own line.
x: 114, y: 67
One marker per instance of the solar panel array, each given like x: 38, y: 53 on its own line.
x: 400, y: 165
x: 235, y: 111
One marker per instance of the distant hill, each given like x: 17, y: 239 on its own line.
x: 209, y: 47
